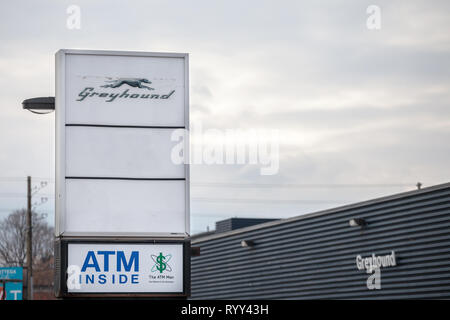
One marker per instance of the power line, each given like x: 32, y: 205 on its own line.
x: 13, y: 179
x: 268, y: 201
x: 10, y: 210
x: 258, y: 185
x: 21, y: 195
x: 299, y: 185
x: 24, y: 179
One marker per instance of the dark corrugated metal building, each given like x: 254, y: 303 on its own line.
x: 314, y: 256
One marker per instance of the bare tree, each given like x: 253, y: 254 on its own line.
x: 13, y: 239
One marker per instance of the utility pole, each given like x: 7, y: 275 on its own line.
x: 29, y: 243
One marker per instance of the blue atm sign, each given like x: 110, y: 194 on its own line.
x: 125, y: 268
x: 11, y: 290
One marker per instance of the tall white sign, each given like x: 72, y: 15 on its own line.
x: 115, y: 113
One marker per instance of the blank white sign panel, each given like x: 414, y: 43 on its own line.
x: 125, y: 206
x: 125, y: 90
x: 116, y: 113
x: 121, y: 152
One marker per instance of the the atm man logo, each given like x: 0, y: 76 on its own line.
x: 161, y: 263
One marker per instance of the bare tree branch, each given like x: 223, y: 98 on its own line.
x: 13, y: 231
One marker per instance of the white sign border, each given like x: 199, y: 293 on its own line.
x: 63, y: 254
x: 60, y: 124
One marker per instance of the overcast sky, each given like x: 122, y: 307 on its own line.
x: 361, y: 113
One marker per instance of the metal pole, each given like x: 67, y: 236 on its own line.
x: 29, y: 242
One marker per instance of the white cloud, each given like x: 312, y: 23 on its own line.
x: 352, y: 105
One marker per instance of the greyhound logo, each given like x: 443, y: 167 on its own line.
x: 132, y: 82
x: 128, y: 92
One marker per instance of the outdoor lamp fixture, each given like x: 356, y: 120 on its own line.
x: 247, y: 244
x: 41, y: 105
x: 357, y: 222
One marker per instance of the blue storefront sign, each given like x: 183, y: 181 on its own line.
x: 12, y: 290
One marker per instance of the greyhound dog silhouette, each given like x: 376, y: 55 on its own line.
x: 132, y: 82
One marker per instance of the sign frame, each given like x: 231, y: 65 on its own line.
x: 61, y: 252
x: 60, y: 141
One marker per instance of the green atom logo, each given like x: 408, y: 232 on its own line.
x: 161, y: 262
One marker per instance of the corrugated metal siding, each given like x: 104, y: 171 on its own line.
x: 314, y: 257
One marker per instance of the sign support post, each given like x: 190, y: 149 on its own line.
x: 122, y: 203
